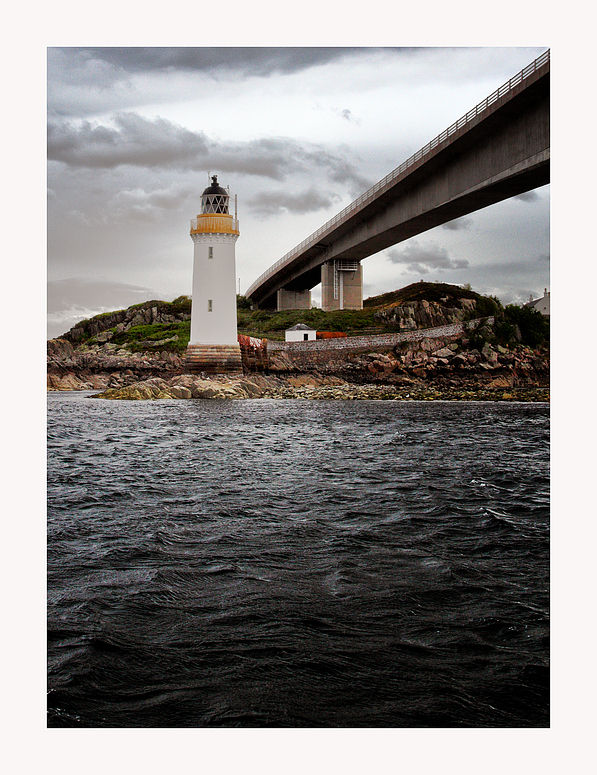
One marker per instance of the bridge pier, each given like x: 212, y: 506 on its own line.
x: 341, y: 285
x: 286, y: 299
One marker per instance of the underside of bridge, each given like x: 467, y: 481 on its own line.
x: 501, y: 153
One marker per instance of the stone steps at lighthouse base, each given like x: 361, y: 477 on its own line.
x: 214, y: 358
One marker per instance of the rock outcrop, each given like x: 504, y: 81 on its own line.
x: 123, y: 320
x: 413, y: 315
x: 104, y: 365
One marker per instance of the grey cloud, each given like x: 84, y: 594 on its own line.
x: 145, y: 205
x: 460, y: 224
x: 528, y: 196
x: 272, y: 203
x: 134, y: 140
x: 140, y: 142
x: 422, y: 259
x: 103, y: 64
x: 511, y: 281
x: 85, y: 81
x: 338, y: 168
x: 272, y: 157
x: 256, y: 61
x: 278, y: 157
x: 343, y: 172
x: 349, y: 116
x: 80, y: 69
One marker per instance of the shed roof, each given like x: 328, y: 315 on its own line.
x: 300, y: 327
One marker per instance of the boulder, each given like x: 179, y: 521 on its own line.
x: 300, y: 380
x: 443, y: 353
x: 251, y: 389
x: 212, y: 392
x: 137, y: 392
x: 185, y: 380
x: 489, y: 354
x: 178, y: 391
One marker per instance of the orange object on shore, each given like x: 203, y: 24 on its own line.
x: 329, y: 334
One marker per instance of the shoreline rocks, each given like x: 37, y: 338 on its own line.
x: 317, y: 389
x: 457, y: 369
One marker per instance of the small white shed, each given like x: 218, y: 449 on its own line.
x: 300, y: 333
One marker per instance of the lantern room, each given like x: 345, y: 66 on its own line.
x: 214, y: 199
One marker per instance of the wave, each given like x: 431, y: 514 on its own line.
x: 297, y: 564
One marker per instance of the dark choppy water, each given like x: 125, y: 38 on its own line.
x: 297, y: 564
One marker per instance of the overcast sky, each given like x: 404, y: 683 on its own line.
x: 296, y: 133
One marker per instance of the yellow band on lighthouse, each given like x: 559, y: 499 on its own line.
x: 214, y: 224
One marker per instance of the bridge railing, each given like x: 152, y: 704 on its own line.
x: 359, y: 203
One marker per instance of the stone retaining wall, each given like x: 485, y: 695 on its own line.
x: 376, y: 341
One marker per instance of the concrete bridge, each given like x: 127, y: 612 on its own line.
x: 499, y: 149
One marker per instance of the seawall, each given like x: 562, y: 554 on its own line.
x: 329, y: 352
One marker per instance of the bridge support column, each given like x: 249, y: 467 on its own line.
x: 341, y: 285
x: 293, y: 299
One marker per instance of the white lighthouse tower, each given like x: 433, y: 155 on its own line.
x: 213, y: 346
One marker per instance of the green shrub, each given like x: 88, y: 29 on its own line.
x: 139, y: 338
x: 533, y: 326
x: 181, y: 305
x: 487, y: 306
x: 505, y: 332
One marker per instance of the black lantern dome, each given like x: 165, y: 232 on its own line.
x: 214, y: 199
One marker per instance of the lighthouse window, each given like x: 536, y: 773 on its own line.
x: 215, y: 203
x: 210, y: 252
x: 210, y: 305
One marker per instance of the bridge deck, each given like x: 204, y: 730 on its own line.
x: 354, y: 233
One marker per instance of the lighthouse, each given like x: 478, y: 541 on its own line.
x: 213, y: 345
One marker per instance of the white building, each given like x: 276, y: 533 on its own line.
x: 541, y: 305
x: 213, y: 345
x: 300, y: 333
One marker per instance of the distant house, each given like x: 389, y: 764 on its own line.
x: 541, y: 305
x: 300, y: 333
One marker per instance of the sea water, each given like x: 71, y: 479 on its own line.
x: 288, y: 563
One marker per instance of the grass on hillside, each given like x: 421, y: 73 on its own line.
x: 512, y: 323
x: 267, y: 323
x: 151, y: 336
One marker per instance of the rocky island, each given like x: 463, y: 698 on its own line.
x: 429, y: 341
